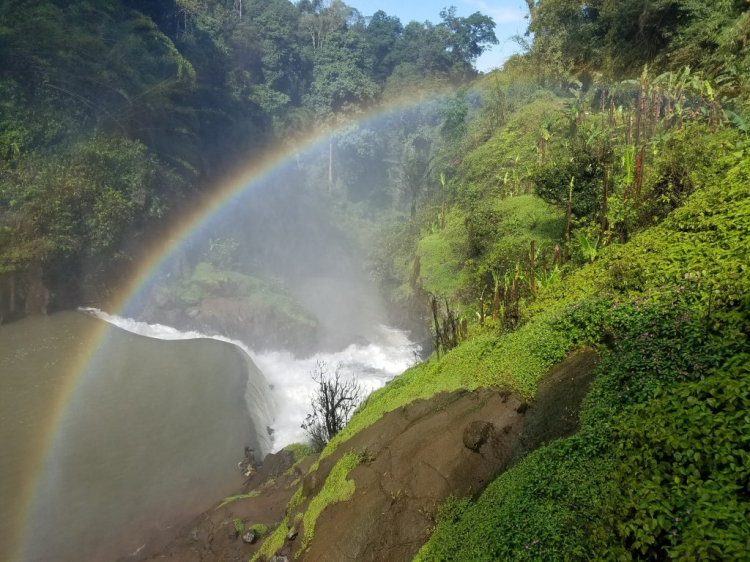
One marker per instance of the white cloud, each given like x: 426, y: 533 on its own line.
x: 501, y: 14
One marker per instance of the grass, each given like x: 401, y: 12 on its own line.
x: 337, y: 488
x: 440, y: 257
x: 518, y: 359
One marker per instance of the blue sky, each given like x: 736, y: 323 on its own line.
x: 508, y: 15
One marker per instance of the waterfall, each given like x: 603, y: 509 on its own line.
x: 278, y: 395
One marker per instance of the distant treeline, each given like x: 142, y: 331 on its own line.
x: 115, y: 111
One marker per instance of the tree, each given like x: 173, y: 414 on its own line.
x: 333, y: 403
x: 320, y: 18
x: 416, y: 165
x: 425, y: 47
x: 381, y: 35
x: 455, y: 114
x: 470, y: 37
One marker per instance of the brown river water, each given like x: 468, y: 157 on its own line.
x: 97, y: 462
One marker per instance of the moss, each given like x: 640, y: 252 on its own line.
x: 297, y: 498
x: 239, y: 526
x: 517, y: 359
x: 294, y: 483
x: 253, y: 494
x: 273, y: 543
x: 299, y: 450
x: 259, y: 529
x: 337, y: 488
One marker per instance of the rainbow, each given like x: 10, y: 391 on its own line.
x: 226, y: 194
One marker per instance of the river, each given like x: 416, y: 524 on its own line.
x: 100, y: 462
x: 96, y: 464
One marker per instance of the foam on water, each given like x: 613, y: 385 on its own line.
x: 289, y: 377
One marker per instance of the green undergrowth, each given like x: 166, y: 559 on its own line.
x: 337, y: 488
x: 490, y: 238
x: 504, y: 159
x: 440, y: 257
x: 659, y: 467
x: 656, y: 470
x: 705, y: 239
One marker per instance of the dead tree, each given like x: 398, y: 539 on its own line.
x: 333, y: 403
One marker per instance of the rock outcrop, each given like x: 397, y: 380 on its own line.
x: 413, y: 459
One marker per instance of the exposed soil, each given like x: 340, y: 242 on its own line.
x: 415, y: 458
x: 418, y: 460
x: 554, y: 412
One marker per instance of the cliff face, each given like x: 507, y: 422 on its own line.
x: 246, y: 319
x: 257, y: 311
x: 396, y: 473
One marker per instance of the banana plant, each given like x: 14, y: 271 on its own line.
x: 589, y: 247
x: 737, y: 121
x: 546, y: 280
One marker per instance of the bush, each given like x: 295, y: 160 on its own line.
x: 562, y: 502
x: 552, y: 183
x: 681, y: 478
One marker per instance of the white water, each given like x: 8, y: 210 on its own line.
x: 290, y: 379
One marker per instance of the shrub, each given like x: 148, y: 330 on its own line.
x: 562, y: 502
x: 681, y: 477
